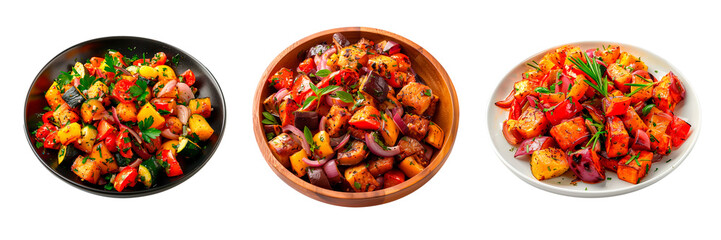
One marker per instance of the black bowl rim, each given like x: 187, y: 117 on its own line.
x: 144, y: 192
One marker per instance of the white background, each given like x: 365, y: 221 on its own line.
x: 473, y: 196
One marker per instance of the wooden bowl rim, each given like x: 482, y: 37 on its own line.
x: 351, y: 198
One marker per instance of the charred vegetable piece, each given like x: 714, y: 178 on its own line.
x: 375, y: 86
x: 620, y: 76
x: 532, y: 123
x: 383, y: 65
x: 67, y: 152
x: 587, y: 166
x: 415, y: 97
x: 355, y: 152
x: 570, y: 133
x: 390, y: 131
x: 337, y: 121
x: 564, y: 110
x: 380, y: 165
x: 340, y: 41
x: 417, y: 126
x: 87, y: 169
x: 282, y: 79
x: 366, y: 118
x: 199, y: 126
x: 88, y: 136
x: 549, y: 163
x: 617, y: 139
x: 633, y: 168
x: 410, y: 166
x: 613, y: 106
x: 286, y: 109
x: 73, y: 97
x: 200, y: 106
x: 632, y: 121
x: 148, y: 172
x: 360, y: 179
x: 660, y: 141
x: 308, y: 119
x: 91, y: 109
x: 317, y: 177
x: 296, y: 162
x: 104, y: 159
x: 322, y: 142
x: 282, y: 146
x: 679, y: 131
x: 435, y: 135
x: 658, y: 120
x: 410, y: 147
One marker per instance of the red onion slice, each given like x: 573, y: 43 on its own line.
x: 321, y: 125
x: 531, y: 145
x: 134, y: 164
x: 331, y: 170
x: 130, y: 130
x: 125, y: 71
x: 183, y: 113
x: 508, y: 102
x: 184, y: 92
x: 378, y: 150
x: 400, y: 123
x: 331, y: 101
x: 281, y: 94
x: 300, y: 134
x: 169, y: 135
x: 340, y: 143
x: 167, y: 88
x: 317, y: 163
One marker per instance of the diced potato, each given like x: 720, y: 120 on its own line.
x: 148, y: 111
x: 631, y: 62
x: 660, y: 141
x: 104, y: 158
x: 435, y: 135
x: 285, y: 111
x: 658, y: 119
x: 416, y: 97
x: 98, y: 90
x: 199, y: 126
x: 87, y: 169
x: 352, y: 57
x: 548, y: 62
x: 171, y: 145
x: 165, y: 73
x: 88, y: 136
x: 354, y: 153
x: 579, y: 88
x: 299, y: 166
x: 549, y: 163
x: 383, y: 65
x: 633, y: 168
x: 410, y: 147
x: 552, y: 98
x: 417, y: 126
x: 200, y: 106
x: 282, y: 146
x: 390, y: 132
x: 322, y: 140
x: 662, y: 96
x: 620, y: 76
x: 617, y: 138
x: 379, y: 166
x: 641, y: 95
x: 64, y: 115
x: 91, y: 109
x: 570, y: 133
x: 69, y: 134
x: 54, y: 96
x: 410, y: 166
x: 609, y: 54
x: 431, y: 110
x: 127, y: 112
x: 532, y: 123
x: 337, y: 121
x: 524, y: 88
x: 632, y: 121
x: 360, y: 179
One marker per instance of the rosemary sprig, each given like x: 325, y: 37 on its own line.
x: 593, y: 70
x: 534, y: 65
x: 641, y: 86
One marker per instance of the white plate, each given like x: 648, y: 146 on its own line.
x: 687, y: 109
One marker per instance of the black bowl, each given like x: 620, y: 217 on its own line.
x: 128, y: 46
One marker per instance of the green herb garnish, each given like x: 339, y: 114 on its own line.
x: 146, y: 131
x: 593, y: 70
x: 269, y: 119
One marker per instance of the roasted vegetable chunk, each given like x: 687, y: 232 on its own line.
x: 435, y: 135
x: 282, y: 146
x: 417, y: 126
x: 415, y: 97
x: 360, y: 179
x: 632, y: 121
x: 354, y: 153
x: 337, y: 121
x: 532, y: 123
x: 410, y: 147
x: 549, y: 163
x: 87, y: 169
x: 633, y: 168
x: 617, y: 138
x: 570, y: 133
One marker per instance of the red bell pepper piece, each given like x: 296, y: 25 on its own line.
x: 281, y: 79
x: 124, y: 144
x: 51, y: 142
x: 613, y: 106
x: 188, y: 77
x: 515, y: 110
x: 121, y: 91
x: 307, y: 66
x: 105, y: 128
x: 172, y: 168
x: 562, y: 111
x: 366, y: 118
x: 125, y: 178
x: 44, y: 130
x: 48, y: 117
x: 679, y: 131
x: 392, y: 178
x: 506, y: 103
x: 344, y: 77
x: 301, y: 89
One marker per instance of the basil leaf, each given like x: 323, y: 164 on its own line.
x: 323, y: 73
x: 328, y: 89
x: 542, y: 90
x: 344, y: 96
x: 647, y: 109
x: 308, y: 101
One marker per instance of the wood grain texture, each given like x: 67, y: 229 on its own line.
x: 424, y: 64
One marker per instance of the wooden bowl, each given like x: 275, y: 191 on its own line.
x: 424, y: 65
x: 35, y: 102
